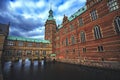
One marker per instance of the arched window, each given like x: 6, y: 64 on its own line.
x: 73, y: 40
x: 71, y: 27
x: 82, y: 34
x: 80, y: 22
x: 66, y: 41
x: 97, y: 32
x: 117, y: 24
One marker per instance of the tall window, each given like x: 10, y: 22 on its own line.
x: 29, y: 44
x: 29, y: 52
x: 71, y: 27
x: 44, y: 45
x: 73, y: 40
x: 66, y: 41
x: 100, y: 48
x: 80, y: 22
x: 10, y: 43
x: 112, y: 4
x: 117, y: 24
x: 84, y: 50
x: 93, y: 14
x: 73, y: 50
x: 20, y: 43
x: 82, y: 34
x: 19, y: 52
x: 37, y: 53
x: 44, y: 53
x: 37, y: 44
x: 97, y: 32
x: 9, y: 53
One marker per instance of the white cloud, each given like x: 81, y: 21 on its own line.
x: 82, y: 1
x: 40, y: 4
x: 65, y: 6
x: 37, y: 30
x: 16, y: 4
x: 38, y: 11
x: 38, y: 37
x: 59, y: 18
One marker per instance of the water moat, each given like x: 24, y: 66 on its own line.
x: 54, y: 71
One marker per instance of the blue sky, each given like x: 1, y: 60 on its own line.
x: 27, y: 17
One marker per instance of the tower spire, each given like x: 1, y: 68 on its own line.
x: 51, y: 6
x: 50, y: 17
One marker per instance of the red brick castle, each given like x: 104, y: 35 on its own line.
x: 91, y: 36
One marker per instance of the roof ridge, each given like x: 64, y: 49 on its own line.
x: 27, y: 39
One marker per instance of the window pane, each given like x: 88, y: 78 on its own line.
x: 80, y: 22
x: 117, y: 24
x: 71, y: 27
x: 93, y: 15
x: 37, y: 44
x: 20, y: 44
x: 100, y: 48
x: 82, y: 34
x: 10, y: 43
x: 73, y: 40
x: 97, y: 32
x: 84, y: 50
x: 29, y: 44
x: 113, y: 5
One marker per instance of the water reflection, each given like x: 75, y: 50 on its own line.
x: 58, y: 71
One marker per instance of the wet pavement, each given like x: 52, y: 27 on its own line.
x: 55, y: 71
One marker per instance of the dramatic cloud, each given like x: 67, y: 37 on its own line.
x: 27, y: 17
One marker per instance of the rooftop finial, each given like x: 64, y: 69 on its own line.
x: 50, y: 17
x: 50, y: 5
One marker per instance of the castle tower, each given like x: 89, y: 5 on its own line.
x: 50, y: 27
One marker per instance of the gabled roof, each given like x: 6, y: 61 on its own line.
x: 27, y: 39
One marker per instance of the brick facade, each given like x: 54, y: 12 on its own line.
x: 90, y: 37
x: 19, y: 49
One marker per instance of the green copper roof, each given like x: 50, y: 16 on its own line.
x: 60, y: 26
x: 27, y: 39
x: 50, y: 17
x: 80, y: 11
